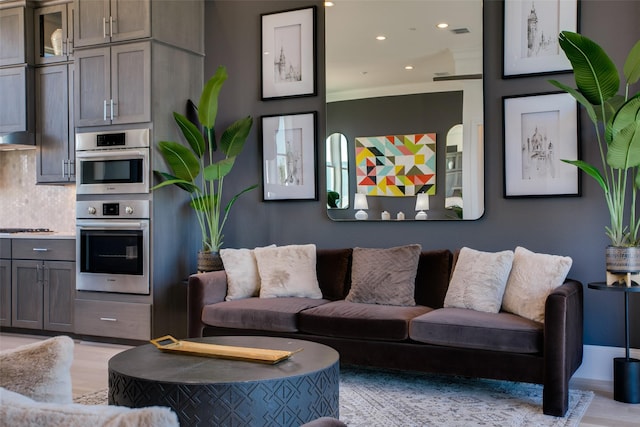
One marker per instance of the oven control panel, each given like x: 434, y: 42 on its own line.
x: 120, y: 209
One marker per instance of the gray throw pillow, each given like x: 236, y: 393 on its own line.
x: 384, y: 276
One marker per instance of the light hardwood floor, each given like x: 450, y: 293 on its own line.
x: 89, y: 374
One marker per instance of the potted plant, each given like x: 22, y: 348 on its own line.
x: 616, y: 119
x: 196, y: 169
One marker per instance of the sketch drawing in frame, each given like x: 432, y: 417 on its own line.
x: 289, y: 157
x: 531, y: 29
x: 540, y: 131
x: 288, y: 54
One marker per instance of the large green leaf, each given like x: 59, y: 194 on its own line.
x: 580, y: 98
x: 624, y: 149
x: 204, y: 203
x: 219, y: 169
x: 632, y: 64
x: 234, y: 137
x: 182, y: 162
x: 592, y: 171
x: 595, y: 74
x: 208, y: 105
x: 172, y: 180
x: 191, y: 134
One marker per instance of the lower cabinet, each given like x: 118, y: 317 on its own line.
x: 43, y: 295
x: 5, y: 292
x: 113, y: 319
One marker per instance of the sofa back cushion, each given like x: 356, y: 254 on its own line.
x: 432, y: 279
x: 333, y: 268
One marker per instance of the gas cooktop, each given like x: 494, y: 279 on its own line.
x: 24, y: 230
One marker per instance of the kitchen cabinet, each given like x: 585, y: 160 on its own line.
x: 114, y: 319
x: 108, y: 21
x: 53, y: 27
x: 16, y: 84
x: 43, y: 284
x: 55, y: 161
x: 15, y: 31
x: 113, y: 84
x: 5, y: 282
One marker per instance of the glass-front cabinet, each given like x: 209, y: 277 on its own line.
x: 53, y: 27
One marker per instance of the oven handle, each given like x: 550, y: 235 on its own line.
x: 109, y: 153
x: 97, y: 225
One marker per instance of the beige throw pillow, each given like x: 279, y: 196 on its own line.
x: 288, y: 271
x: 243, y: 279
x: 478, y: 280
x: 533, y: 277
x: 40, y: 370
x: 384, y: 276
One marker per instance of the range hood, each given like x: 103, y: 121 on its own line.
x: 18, y: 141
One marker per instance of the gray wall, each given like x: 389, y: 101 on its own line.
x: 572, y: 226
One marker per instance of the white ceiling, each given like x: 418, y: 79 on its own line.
x: 356, y: 61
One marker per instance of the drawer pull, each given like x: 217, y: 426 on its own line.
x: 40, y: 250
x: 108, y: 319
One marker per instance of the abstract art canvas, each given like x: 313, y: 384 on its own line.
x: 396, y: 165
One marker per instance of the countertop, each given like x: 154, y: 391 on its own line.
x: 43, y: 235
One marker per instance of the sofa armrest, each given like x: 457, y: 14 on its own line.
x: 203, y: 289
x: 563, y: 339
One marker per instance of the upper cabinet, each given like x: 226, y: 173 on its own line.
x: 15, y: 27
x: 105, y: 21
x: 53, y: 27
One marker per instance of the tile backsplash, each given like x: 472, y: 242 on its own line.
x: 27, y: 205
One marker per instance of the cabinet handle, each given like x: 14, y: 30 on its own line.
x: 72, y: 168
x: 111, y: 108
x: 40, y: 250
x: 111, y: 26
x: 69, y: 47
x: 104, y: 27
x: 64, y: 168
x: 108, y: 319
x: 104, y: 111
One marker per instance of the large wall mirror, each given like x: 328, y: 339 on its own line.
x: 394, y: 77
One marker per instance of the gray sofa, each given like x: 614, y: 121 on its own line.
x: 426, y: 337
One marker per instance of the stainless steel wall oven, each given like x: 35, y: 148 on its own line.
x: 113, y: 243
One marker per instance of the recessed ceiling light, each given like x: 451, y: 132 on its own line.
x: 380, y: 38
x: 442, y: 25
x: 408, y: 67
x: 328, y: 3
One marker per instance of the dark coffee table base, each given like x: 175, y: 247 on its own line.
x: 290, y: 400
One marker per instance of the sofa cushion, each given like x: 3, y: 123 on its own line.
x: 333, y: 268
x: 355, y: 320
x: 288, y: 271
x: 459, y: 327
x: 384, y: 276
x: 533, y: 277
x: 478, y: 280
x: 243, y: 279
x: 265, y: 314
x: 19, y: 410
x: 432, y: 279
x: 39, y: 370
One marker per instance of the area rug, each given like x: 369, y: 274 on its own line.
x: 376, y: 398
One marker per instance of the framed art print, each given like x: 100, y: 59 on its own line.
x: 540, y: 131
x: 531, y: 29
x: 288, y: 54
x: 289, y: 157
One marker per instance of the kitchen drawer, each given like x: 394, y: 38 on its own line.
x: 44, y: 249
x: 113, y: 319
x: 5, y: 248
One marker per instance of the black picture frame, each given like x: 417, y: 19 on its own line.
x: 288, y: 55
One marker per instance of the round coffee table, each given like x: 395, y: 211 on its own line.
x: 209, y: 391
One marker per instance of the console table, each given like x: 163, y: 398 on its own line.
x: 212, y: 391
x: 626, y: 370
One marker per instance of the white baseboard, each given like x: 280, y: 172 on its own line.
x: 597, y: 362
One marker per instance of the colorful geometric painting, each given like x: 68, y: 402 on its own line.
x: 396, y: 165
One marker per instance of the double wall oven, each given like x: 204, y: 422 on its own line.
x: 113, y: 211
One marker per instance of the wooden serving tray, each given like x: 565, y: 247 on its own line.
x: 261, y: 355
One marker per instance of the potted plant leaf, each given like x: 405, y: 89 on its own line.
x: 616, y: 119
x: 199, y: 171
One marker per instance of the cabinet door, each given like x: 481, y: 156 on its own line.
x: 131, y: 83
x: 26, y: 294
x: 12, y: 35
x: 52, y: 124
x: 92, y: 86
x: 13, y: 86
x: 130, y: 20
x: 59, y: 295
x: 5, y: 292
x: 53, y: 27
x: 90, y: 25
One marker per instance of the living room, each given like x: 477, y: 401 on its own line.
x: 569, y: 226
